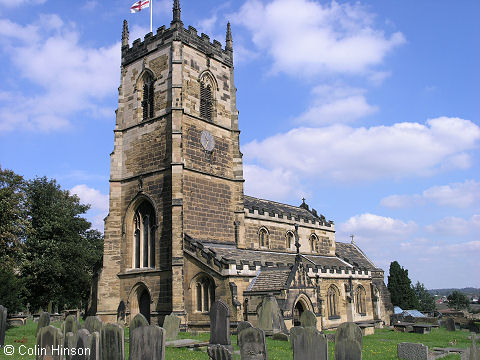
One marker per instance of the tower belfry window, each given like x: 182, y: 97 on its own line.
x: 147, y: 101
x: 206, y: 103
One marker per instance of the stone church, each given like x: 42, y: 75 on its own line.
x: 180, y: 231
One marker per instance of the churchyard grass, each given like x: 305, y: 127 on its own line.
x: 381, y: 346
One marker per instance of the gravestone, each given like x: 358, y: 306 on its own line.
x: 220, y: 324
x: 82, y: 345
x: 450, y: 324
x: 270, y: 318
x: 308, y: 319
x: 138, y: 320
x: 70, y: 325
x: 49, y: 341
x: 252, y: 344
x: 94, y: 346
x: 92, y: 324
x: 3, y: 324
x: 242, y: 325
x: 112, y: 342
x: 121, y: 312
x: 171, y: 326
x: 411, y: 351
x: 43, y: 321
x: 348, y: 342
x: 309, y: 344
x: 147, y: 342
x: 69, y: 342
x: 219, y: 352
x: 474, y: 353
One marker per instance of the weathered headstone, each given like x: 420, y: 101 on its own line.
x: 252, y: 344
x: 242, y: 325
x: 69, y: 343
x: 147, y: 342
x: 121, y: 312
x: 450, y: 324
x: 112, y: 342
x: 138, y: 320
x: 49, y: 343
x: 220, y: 324
x: 43, y: 321
x: 474, y: 353
x: 71, y: 325
x: 92, y: 324
x: 308, y: 319
x: 280, y: 336
x: 270, y: 318
x: 411, y: 351
x: 219, y: 352
x: 171, y: 326
x: 348, y: 342
x: 94, y: 346
x: 82, y: 345
x: 309, y: 344
x: 3, y: 324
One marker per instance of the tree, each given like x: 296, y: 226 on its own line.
x: 426, y: 301
x: 60, y: 250
x: 400, y: 287
x: 458, y: 300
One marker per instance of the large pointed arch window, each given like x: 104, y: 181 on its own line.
x: 144, y: 236
x: 360, y: 295
x: 204, y: 293
x: 147, y: 97
x: 332, y: 302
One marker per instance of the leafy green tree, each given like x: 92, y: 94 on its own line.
x: 426, y: 301
x: 400, y: 287
x: 12, y: 290
x: 458, y: 300
x: 60, y: 250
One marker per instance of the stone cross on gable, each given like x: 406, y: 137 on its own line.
x: 352, y: 236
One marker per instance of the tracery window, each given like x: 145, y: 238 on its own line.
x: 332, y: 302
x: 144, y: 236
x: 207, y: 96
x: 313, y: 243
x: 290, y: 239
x: 360, y: 295
x: 263, y: 239
x: 204, y: 294
x: 147, y: 98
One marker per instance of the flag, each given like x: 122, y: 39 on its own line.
x: 139, y: 5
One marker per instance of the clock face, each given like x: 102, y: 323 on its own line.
x: 207, y: 140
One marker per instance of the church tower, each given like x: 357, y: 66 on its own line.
x: 176, y: 168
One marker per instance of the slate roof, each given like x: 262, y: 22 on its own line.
x: 351, y: 254
x: 270, y: 280
x: 327, y: 261
x: 283, y: 210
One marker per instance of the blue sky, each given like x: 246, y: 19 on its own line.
x: 367, y: 109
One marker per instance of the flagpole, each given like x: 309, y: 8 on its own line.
x: 151, y: 14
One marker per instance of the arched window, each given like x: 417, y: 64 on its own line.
x: 207, y: 87
x: 290, y: 239
x: 313, y: 243
x: 263, y: 239
x: 204, y: 294
x: 360, y: 295
x: 144, y: 236
x: 147, y: 98
x: 332, y: 302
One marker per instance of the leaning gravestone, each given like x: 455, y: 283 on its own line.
x: 450, y: 324
x: 49, y: 340
x: 220, y: 324
x: 348, y: 342
x: 270, y: 318
x: 309, y: 344
x: 69, y: 342
x: 171, y: 326
x: 252, y: 344
x: 43, y: 321
x: 308, y: 319
x: 71, y: 324
x: 138, y: 320
x: 411, y: 351
x: 92, y: 324
x: 94, y: 346
x: 219, y: 352
x: 3, y: 324
x: 241, y: 326
x: 82, y: 345
x: 112, y: 342
x: 147, y: 343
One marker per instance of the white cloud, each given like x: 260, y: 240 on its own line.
x: 455, y: 226
x: 90, y: 5
x: 306, y: 37
x: 98, y: 202
x: 71, y: 78
x: 344, y: 153
x: 376, y: 227
x: 459, y: 195
x: 16, y: 3
x: 336, y: 104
